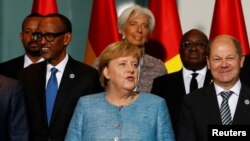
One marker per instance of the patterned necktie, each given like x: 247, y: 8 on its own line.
x: 51, y: 92
x: 193, y: 82
x: 224, y: 109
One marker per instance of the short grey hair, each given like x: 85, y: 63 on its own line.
x: 123, y: 18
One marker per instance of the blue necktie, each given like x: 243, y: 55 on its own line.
x: 51, y: 92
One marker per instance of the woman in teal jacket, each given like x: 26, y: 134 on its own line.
x: 120, y: 113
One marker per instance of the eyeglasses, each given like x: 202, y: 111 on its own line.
x: 198, y: 44
x: 50, y: 37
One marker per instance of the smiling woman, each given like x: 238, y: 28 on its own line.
x: 136, y: 24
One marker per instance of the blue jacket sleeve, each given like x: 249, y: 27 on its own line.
x: 75, y: 129
x: 164, y: 125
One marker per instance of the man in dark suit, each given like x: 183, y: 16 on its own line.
x: 13, y: 115
x: 74, y: 79
x: 31, y: 47
x: 227, y: 95
x: 172, y: 87
x: 245, y: 71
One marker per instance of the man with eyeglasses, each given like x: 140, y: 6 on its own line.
x: 31, y: 47
x: 172, y: 87
x: 53, y: 87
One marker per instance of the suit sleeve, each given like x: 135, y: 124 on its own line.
x: 156, y: 88
x: 164, y: 127
x: 75, y: 129
x: 18, y: 123
x: 95, y: 85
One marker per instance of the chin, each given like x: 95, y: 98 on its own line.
x: 130, y: 88
x: 47, y: 57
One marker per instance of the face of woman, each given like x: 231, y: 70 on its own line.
x: 122, y: 73
x: 136, y: 30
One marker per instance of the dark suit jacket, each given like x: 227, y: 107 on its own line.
x: 12, y: 67
x: 200, y: 108
x: 245, y: 71
x: 13, y: 116
x: 171, y: 88
x: 78, y: 80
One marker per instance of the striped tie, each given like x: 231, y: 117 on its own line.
x: 224, y: 109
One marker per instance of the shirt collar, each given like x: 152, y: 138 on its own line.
x: 187, y: 72
x: 28, y: 62
x: 60, y: 66
x: 235, y: 88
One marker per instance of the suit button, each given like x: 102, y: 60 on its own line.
x: 117, y: 125
x: 116, y: 139
x: 49, y: 139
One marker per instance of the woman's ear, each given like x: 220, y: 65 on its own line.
x: 106, y: 72
x: 123, y: 34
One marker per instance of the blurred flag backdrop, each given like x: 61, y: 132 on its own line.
x: 164, y: 42
x: 228, y: 18
x: 44, y: 7
x: 102, y: 29
x: 167, y: 33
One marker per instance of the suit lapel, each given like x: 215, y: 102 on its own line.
x: 208, y: 78
x: 65, y: 87
x: 39, y: 81
x: 211, y: 103
x: 181, y: 85
x: 242, y: 112
x: 20, y: 63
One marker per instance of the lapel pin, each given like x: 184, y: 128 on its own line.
x: 71, y: 76
x: 247, y: 102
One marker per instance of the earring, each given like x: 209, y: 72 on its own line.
x: 123, y: 37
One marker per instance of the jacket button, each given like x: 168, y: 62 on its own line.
x: 116, y: 139
x: 117, y: 125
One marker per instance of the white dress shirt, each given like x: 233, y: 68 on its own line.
x: 187, y: 76
x: 28, y: 62
x: 60, y: 67
x: 233, y: 99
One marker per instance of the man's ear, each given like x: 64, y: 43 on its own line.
x: 242, y: 59
x: 67, y: 38
x: 208, y: 63
x: 21, y: 36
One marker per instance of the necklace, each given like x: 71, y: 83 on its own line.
x: 128, y: 101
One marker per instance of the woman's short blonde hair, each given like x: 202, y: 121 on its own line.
x: 137, y: 10
x: 113, y: 51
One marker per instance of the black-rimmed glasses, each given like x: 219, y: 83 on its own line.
x: 198, y: 44
x: 50, y: 37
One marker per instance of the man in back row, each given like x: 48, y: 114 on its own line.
x: 172, y: 87
x: 53, y: 87
x: 31, y: 47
